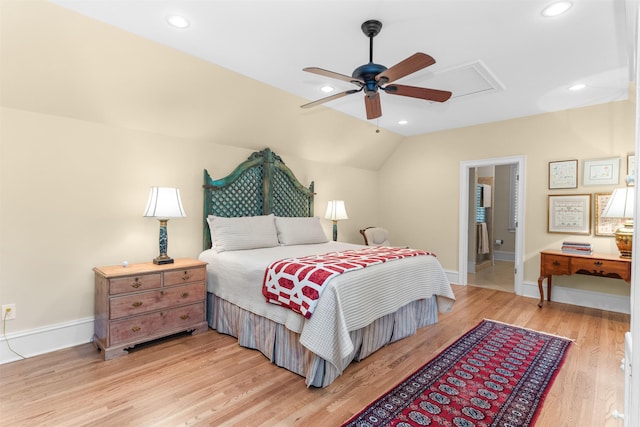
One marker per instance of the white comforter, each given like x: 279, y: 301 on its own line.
x: 350, y: 301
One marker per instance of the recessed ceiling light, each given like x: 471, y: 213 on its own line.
x: 403, y: 122
x: 557, y: 8
x: 178, y: 21
x: 578, y: 86
x: 326, y: 89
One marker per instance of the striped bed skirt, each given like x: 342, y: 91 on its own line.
x: 282, y: 346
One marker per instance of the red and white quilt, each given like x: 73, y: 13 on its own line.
x: 297, y: 283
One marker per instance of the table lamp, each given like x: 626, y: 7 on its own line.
x: 164, y: 203
x: 621, y: 205
x: 335, y: 212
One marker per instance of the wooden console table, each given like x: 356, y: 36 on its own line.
x: 558, y: 263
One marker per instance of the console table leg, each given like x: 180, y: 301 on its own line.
x: 540, y: 279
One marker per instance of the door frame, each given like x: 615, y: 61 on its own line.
x: 463, y: 234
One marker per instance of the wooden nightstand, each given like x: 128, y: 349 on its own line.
x: 143, y: 302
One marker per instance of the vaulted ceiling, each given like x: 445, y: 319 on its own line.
x: 500, y: 58
x: 239, y: 65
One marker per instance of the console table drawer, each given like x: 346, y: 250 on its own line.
x: 600, y: 267
x: 556, y: 264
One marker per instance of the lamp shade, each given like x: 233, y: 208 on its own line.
x: 164, y: 203
x: 336, y: 210
x: 620, y: 204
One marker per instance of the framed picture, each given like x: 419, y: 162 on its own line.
x: 569, y: 214
x: 563, y: 174
x: 631, y: 165
x: 601, y: 172
x: 605, y: 226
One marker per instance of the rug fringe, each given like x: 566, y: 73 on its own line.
x: 532, y: 330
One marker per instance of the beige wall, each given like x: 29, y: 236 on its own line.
x: 419, y: 184
x: 73, y: 193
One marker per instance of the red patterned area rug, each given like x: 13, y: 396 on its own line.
x: 494, y: 375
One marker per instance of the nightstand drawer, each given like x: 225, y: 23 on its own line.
x: 188, y: 275
x: 134, y: 283
x: 601, y: 267
x: 160, y: 322
x: 555, y: 264
x: 153, y: 300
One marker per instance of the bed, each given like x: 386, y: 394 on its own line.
x: 358, y: 312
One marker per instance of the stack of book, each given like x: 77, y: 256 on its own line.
x: 576, y: 248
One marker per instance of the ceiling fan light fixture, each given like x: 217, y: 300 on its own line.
x: 556, y: 8
x: 178, y: 21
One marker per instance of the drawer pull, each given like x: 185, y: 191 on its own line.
x: 597, y: 263
x: 186, y: 276
x: 135, y: 328
x: 184, y: 294
x: 137, y: 304
x: 185, y: 317
x: 136, y: 283
x: 556, y: 263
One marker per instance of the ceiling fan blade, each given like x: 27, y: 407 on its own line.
x: 334, y: 75
x: 415, y: 62
x: 418, y: 92
x: 330, y: 98
x: 372, y: 104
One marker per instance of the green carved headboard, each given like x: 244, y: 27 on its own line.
x: 260, y: 185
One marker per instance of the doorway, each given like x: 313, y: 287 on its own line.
x: 492, y: 197
x: 488, y: 256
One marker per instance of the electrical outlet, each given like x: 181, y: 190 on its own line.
x: 8, y: 311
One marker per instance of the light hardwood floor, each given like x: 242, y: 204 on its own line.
x: 208, y: 379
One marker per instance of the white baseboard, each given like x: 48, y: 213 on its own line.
x: 471, y: 267
x: 452, y: 276
x: 504, y: 256
x: 591, y: 299
x: 46, y: 339
x: 599, y: 300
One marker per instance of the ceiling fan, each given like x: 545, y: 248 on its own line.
x: 371, y: 77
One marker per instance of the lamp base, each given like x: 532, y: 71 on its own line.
x: 624, y: 239
x: 163, y: 260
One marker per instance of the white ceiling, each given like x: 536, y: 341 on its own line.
x: 501, y: 58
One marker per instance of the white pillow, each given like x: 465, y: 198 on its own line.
x: 238, y: 233
x: 300, y: 230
